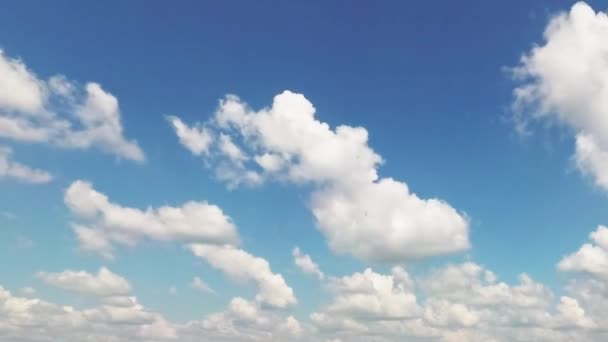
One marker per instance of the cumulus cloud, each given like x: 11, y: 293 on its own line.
x: 373, y: 296
x: 104, y: 283
x: 242, y: 266
x: 372, y: 218
x: 591, y: 258
x: 104, y: 223
x: 60, y: 112
x: 34, y: 319
x: 305, y: 263
x: 12, y: 169
x: 565, y: 79
x: 244, y: 320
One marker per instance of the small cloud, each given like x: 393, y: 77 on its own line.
x: 173, y: 291
x: 200, y: 285
x: 24, y: 242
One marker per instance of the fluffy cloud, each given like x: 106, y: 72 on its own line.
x: 305, y: 263
x: 372, y: 218
x: 106, y: 223
x: 196, y: 139
x: 591, y: 258
x: 244, y: 321
x: 566, y: 79
x: 458, y: 302
x: 242, y: 266
x: 372, y: 296
x: 59, y: 112
x: 104, y: 283
x: 33, y: 319
x: 12, y: 169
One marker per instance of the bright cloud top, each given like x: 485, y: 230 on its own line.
x: 59, y: 112
x: 566, y: 79
x: 359, y: 213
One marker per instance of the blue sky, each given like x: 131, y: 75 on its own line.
x: 182, y: 141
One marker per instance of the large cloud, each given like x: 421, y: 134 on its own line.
x: 565, y: 79
x: 60, y: 112
x: 104, y: 223
x: 372, y: 218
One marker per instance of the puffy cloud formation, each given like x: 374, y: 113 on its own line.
x: 566, y: 79
x: 104, y: 283
x: 12, y: 169
x: 462, y: 302
x: 57, y: 111
x: 591, y: 258
x: 372, y: 296
x: 244, y: 321
x: 305, y: 263
x: 104, y: 223
x: 242, y: 266
x: 454, y: 302
x: 372, y: 218
x: 118, y: 319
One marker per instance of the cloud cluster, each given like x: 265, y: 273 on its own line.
x: 565, y: 79
x: 60, y: 112
x: 372, y: 218
x: 118, y: 317
x: 454, y: 302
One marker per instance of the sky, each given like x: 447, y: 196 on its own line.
x: 328, y: 171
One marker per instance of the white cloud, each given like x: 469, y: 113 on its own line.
x: 104, y: 283
x: 590, y: 258
x: 35, y: 110
x: 198, y: 284
x: 305, y: 263
x: 33, y: 319
x: 244, y: 321
x: 106, y: 223
x: 372, y: 218
x: 197, y: 139
x: 566, y: 79
x: 242, y: 266
x: 372, y: 296
x: 13, y: 169
x: 383, y: 221
x: 20, y: 89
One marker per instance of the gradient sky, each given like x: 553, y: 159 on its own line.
x: 451, y: 144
